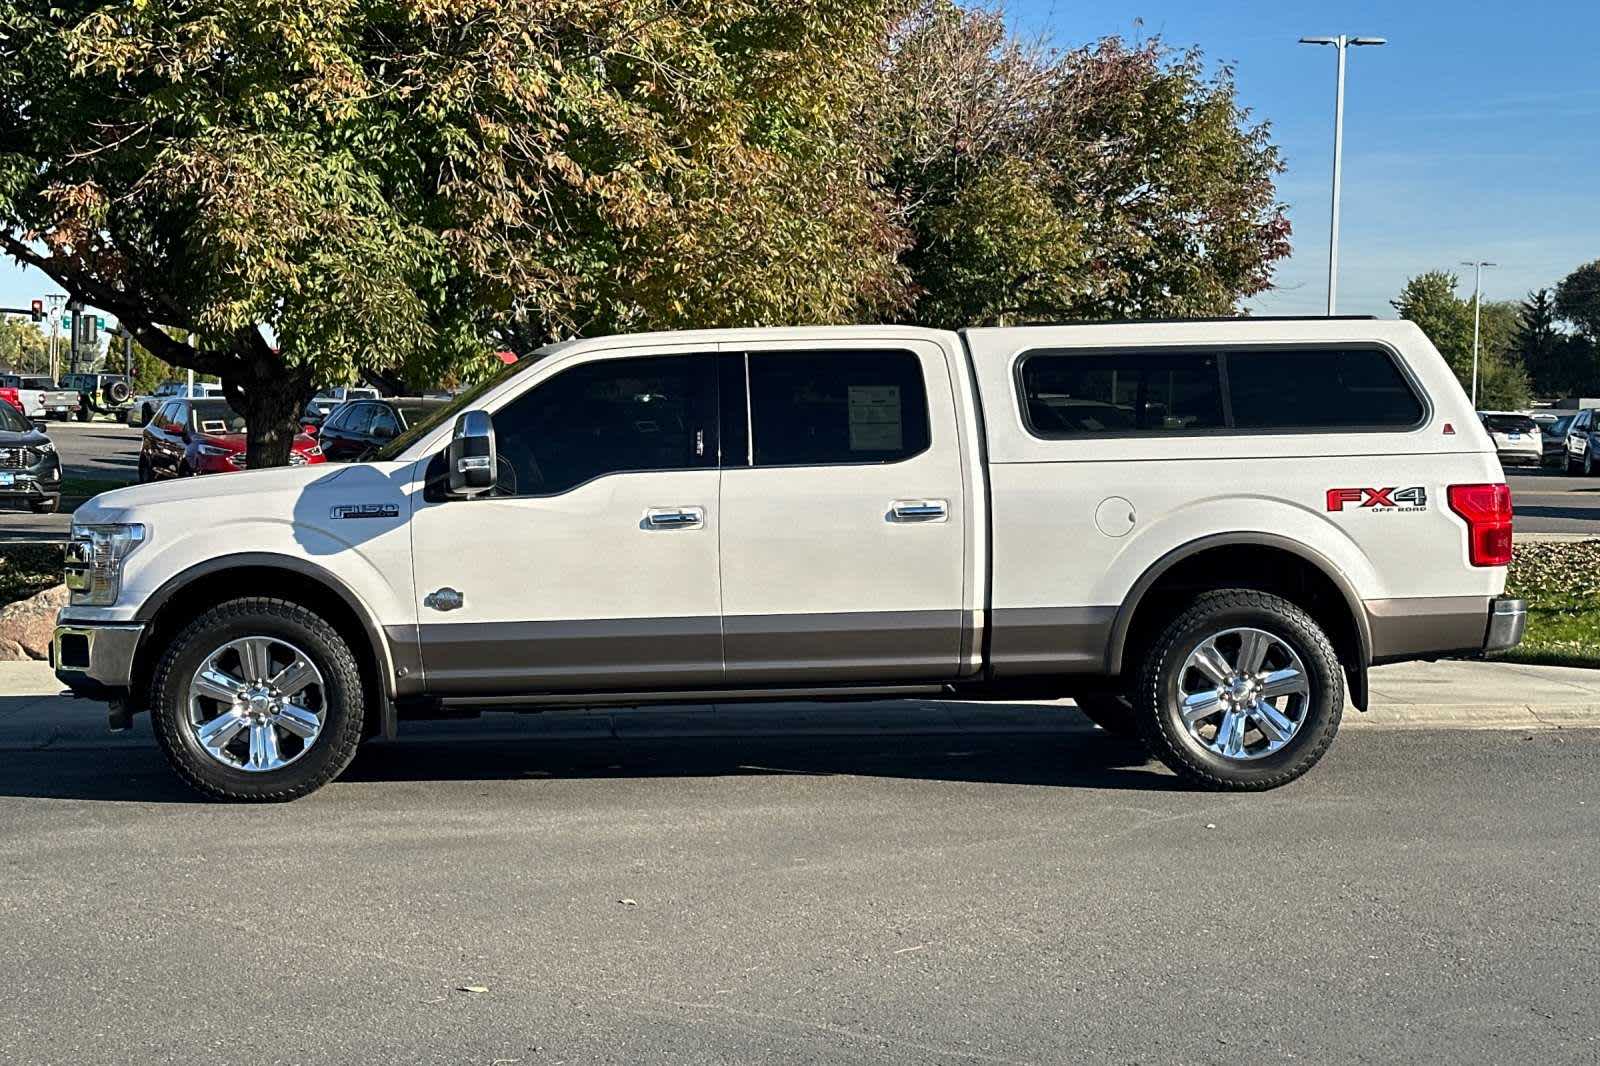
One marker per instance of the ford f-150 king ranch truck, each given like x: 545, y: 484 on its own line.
x: 1205, y: 532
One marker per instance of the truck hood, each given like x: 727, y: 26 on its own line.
x: 127, y: 505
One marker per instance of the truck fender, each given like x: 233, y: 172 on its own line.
x: 1355, y: 671
x: 396, y: 664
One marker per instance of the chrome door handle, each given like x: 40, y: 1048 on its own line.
x: 675, y: 517
x: 919, y: 510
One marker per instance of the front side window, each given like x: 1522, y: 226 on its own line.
x: 385, y: 425
x: 825, y: 408
x: 609, y: 417
x: 1066, y: 394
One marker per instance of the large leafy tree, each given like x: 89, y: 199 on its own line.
x: 1578, y: 300
x: 1559, y: 363
x: 1102, y: 182
x: 22, y: 345
x: 1430, y: 300
x: 309, y: 186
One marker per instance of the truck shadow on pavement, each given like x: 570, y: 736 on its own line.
x: 129, y: 769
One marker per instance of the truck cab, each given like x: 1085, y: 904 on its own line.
x: 1205, y: 532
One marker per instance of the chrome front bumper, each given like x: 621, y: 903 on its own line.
x: 1507, y: 619
x: 95, y: 660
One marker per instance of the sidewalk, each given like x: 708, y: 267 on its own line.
x: 1446, y: 695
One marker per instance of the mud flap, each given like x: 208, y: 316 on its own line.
x: 1356, y: 683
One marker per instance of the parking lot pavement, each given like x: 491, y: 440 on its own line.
x: 1549, y: 501
x: 1030, y: 892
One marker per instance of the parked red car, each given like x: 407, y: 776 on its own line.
x: 203, y: 436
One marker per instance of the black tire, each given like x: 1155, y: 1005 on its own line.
x: 144, y: 470
x: 343, y: 704
x: 1588, y: 461
x: 1111, y: 711
x: 48, y: 505
x: 1161, y: 673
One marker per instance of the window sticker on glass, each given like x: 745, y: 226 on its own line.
x: 874, y: 418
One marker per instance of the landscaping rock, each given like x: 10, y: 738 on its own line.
x: 27, y: 626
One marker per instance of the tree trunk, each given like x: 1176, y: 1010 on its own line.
x: 271, y: 400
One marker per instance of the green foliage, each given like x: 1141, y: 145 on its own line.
x: 1431, y: 302
x: 1578, y: 300
x: 374, y: 184
x: 23, y: 345
x: 1561, y: 582
x: 1559, y: 363
x: 321, y: 187
x: 1108, y: 181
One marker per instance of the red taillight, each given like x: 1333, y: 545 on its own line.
x: 1487, y: 511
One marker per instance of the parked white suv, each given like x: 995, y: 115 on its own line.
x: 1204, y: 532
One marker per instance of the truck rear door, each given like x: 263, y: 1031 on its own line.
x: 845, y: 518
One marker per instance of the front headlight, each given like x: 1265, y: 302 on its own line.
x: 94, y: 561
x: 43, y: 447
x: 212, y: 449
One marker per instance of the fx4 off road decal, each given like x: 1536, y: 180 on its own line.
x: 1383, y: 500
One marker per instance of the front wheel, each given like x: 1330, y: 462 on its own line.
x: 1243, y: 691
x: 258, y: 700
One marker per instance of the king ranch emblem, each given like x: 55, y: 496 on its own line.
x: 1384, y: 501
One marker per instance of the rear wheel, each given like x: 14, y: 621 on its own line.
x: 258, y: 700
x: 1243, y: 691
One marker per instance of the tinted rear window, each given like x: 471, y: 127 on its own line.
x: 1070, y: 393
x: 820, y: 408
x: 1122, y: 392
x: 1320, y: 389
x: 1511, y: 423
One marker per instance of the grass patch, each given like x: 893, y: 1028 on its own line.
x: 26, y: 570
x: 1561, y: 582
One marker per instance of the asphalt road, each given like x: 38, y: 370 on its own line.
x: 1545, y: 501
x: 1425, y: 897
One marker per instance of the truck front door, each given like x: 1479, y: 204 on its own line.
x: 593, y: 566
x: 845, y: 521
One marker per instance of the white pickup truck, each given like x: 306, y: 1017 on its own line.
x: 37, y: 396
x: 1204, y: 532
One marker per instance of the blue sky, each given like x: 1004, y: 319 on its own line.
x: 1474, y: 134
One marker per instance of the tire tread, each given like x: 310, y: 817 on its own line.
x: 340, y: 659
x: 1158, y: 732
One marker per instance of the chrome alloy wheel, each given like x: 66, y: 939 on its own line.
x: 1243, y: 694
x: 257, y: 704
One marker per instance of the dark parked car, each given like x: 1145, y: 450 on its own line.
x: 203, y: 436
x: 355, y: 427
x: 1554, y: 443
x: 30, y: 469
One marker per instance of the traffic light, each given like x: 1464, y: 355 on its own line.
x: 36, y: 310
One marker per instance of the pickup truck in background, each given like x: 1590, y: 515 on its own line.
x: 141, y: 409
x: 1203, y: 532
x: 36, y: 396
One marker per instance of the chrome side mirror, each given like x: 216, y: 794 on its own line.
x: 471, y: 457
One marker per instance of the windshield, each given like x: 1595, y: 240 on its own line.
x: 11, y: 421
x: 448, y: 411
x: 215, y: 416
x: 1510, y: 424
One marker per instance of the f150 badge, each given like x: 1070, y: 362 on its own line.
x: 1382, y: 500
x: 366, y: 510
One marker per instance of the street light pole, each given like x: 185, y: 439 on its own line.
x: 1477, y: 266
x: 1340, y: 43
